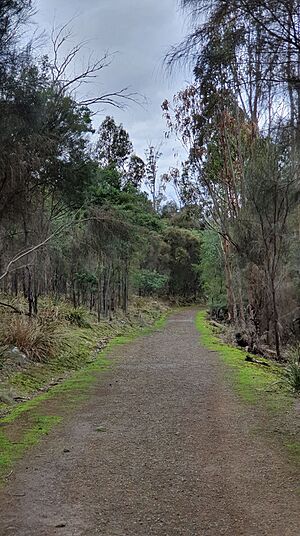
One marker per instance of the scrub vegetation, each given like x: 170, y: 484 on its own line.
x: 92, y: 249
x: 239, y: 121
x: 24, y: 425
x: 261, y: 386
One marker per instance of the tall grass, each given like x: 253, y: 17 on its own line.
x: 39, y: 341
x: 292, y: 372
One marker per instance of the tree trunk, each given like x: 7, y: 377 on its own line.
x: 232, y: 309
x: 275, y: 319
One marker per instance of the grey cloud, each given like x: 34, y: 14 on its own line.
x: 141, y: 31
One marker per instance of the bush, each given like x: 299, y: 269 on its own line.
x: 77, y: 317
x: 292, y: 372
x: 149, y: 282
x: 38, y: 341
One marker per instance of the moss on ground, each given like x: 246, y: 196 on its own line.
x: 77, y: 344
x: 294, y: 450
x: 28, y: 422
x: 11, y: 451
x: 251, y: 381
x: 255, y: 384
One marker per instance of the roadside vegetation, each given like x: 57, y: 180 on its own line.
x: 91, y: 247
x: 50, y: 390
x: 40, y: 354
x: 85, y: 252
x: 269, y: 387
x: 239, y: 121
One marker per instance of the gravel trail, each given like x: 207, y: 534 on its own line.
x: 162, y: 447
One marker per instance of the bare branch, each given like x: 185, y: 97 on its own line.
x: 64, y: 83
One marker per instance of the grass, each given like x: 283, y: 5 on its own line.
x: 292, y: 372
x: 255, y: 384
x: 70, y: 344
x: 77, y: 350
x: 250, y: 381
x: 28, y: 422
x: 294, y: 449
x: 38, y: 340
x: 12, y: 451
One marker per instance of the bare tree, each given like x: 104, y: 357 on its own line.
x: 65, y: 82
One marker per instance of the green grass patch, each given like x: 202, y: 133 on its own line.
x: 76, y: 353
x: 28, y: 419
x: 12, y: 451
x: 255, y: 384
x: 250, y: 380
x: 294, y: 451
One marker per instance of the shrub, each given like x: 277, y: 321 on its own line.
x: 150, y: 282
x: 77, y: 317
x: 292, y: 372
x: 38, y: 341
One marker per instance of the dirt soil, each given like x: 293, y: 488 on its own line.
x: 162, y: 447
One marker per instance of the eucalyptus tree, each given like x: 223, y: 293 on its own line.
x: 152, y: 178
x: 114, y: 150
x: 255, y: 43
x: 239, y: 122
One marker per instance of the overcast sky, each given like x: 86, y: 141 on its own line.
x: 141, y: 32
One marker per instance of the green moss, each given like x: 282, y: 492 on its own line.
x: 11, y: 451
x: 69, y: 393
x: 79, y: 343
x: 28, y: 419
x: 254, y: 384
x: 293, y: 448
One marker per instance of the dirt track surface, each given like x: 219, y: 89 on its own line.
x: 162, y: 447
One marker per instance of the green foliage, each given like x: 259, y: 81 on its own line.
x: 253, y: 383
x: 113, y: 146
x: 292, y: 376
x: 149, y: 283
x: 79, y: 202
x: 87, y: 280
x: 77, y: 317
x: 212, y: 270
x: 183, y: 263
x: 292, y: 371
x: 243, y: 171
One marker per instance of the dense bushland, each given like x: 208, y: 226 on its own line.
x: 240, y: 124
x: 75, y: 222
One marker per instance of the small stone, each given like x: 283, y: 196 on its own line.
x: 66, y: 450
x: 60, y: 525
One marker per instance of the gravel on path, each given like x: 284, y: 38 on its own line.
x: 162, y: 447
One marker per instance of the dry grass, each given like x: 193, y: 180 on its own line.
x: 39, y: 341
x: 44, y: 337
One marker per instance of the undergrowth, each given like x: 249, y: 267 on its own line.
x: 28, y: 422
x: 256, y: 384
x: 11, y: 451
x: 292, y: 372
x: 251, y: 381
x: 38, y: 340
x: 60, y: 341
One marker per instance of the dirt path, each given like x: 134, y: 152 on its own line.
x: 162, y: 447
